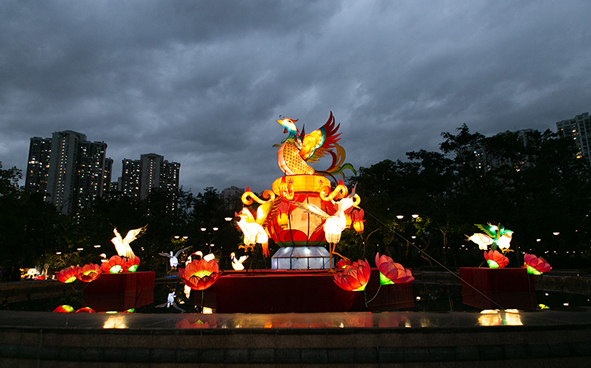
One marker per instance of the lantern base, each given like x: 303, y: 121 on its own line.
x: 499, y: 288
x: 301, y: 258
x: 120, y: 292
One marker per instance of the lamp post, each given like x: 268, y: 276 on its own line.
x: 211, y: 233
x: 403, y: 226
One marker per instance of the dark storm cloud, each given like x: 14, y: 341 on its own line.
x: 202, y: 83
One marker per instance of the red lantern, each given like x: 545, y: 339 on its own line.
x: 89, y: 272
x: 67, y: 275
x: 64, y: 309
x: 353, y: 277
x: 495, y: 259
x: 283, y: 216
x: 344, y: 263
x: 115, y: 264
x: 200, y: 274
x: 392, y: 272
x: 131, y: 264
x: 357, y: 218
x: 536, y: 265
x: 291, y: 226
x: 86, y: 310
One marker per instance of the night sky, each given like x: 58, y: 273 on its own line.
x: 203, y: 82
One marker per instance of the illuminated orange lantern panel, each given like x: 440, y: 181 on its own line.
x: 89, y: 272
x: 67, y: 275
x: 292, y: 226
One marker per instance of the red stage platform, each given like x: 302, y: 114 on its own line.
x: 120, y: 292
x: 301, y: 291
x: 501, y: 288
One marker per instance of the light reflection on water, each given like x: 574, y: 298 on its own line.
x: 428, y: 297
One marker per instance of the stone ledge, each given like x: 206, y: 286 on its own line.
x: 297, y: 356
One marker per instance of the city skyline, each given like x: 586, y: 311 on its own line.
x: 203, y: 83
x: 71, y: 172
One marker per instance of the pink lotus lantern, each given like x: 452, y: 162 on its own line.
x: 131, y: 264
x: 536, y: 265
x: 392, y: 272
x: 89, y: 272
x: 64, y: 309
x: 353, y: 277
x: 67, y: 275
x: 495, y: 259
x: 200, y: 274
x: 115, y: 264
x: 85, y: 310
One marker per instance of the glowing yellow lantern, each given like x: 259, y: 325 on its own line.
x: 357, y: 218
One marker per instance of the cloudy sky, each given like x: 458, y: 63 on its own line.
x: 203, y: 82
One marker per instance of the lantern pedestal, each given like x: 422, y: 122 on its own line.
x: 301, y: 258
x: 120, y: 292
x: 501, y: 288
x: 390, y: 297
x: 301, y: 291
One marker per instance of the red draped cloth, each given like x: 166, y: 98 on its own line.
x: 500, y: 288
x: 120, y: 292
x: 300, y: 291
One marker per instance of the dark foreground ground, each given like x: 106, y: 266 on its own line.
x: 389, y: 339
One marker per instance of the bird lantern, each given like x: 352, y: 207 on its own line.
x: 303, y: 209
x: 497, y: 237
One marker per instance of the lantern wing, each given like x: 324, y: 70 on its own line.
x: 134, y: 234
x: 313, y: 209
x: 321, y: 141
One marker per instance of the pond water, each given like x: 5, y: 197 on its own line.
x: 428, y: 297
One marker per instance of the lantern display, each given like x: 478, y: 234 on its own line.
x: 115, y: 264
x: 88, y: 273
x: 497, y: 237
x: 353, y: 277
x: 302, y: 210
x: 200, y: 274
x: 64, y: 309
x: 392, y: 272
x: 495, y: 259
x: 85, y: 310
x: 67, y: 275
x: 122, y: 244
x: 132, y: 264
x: 535, y: 265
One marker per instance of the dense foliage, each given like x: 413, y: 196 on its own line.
x: 528, y: 181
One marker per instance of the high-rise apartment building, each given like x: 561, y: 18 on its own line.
x: 94, y: 173
x: 231, y: 198
x: 69, y: 170
x: 63, y: 170
x: 38, y: 165
x: 129, y: 183
x: 140, y: 177
x: 579, y: 129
